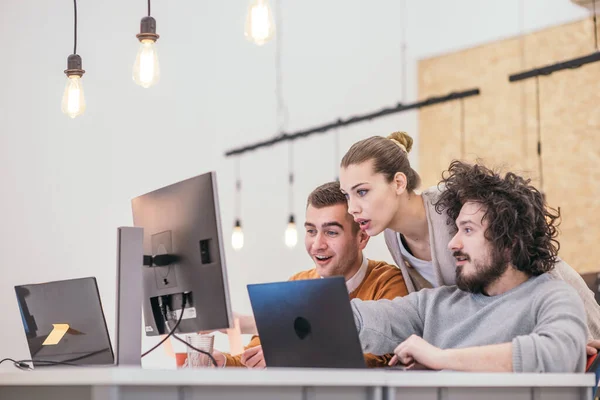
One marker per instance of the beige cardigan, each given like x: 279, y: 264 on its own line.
x: 443, y: 263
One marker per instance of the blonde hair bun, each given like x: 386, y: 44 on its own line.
x: 402, y: 139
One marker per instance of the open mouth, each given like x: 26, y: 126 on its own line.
x: 363, y: 223
x: 461, y: 258
x: 322, y: 259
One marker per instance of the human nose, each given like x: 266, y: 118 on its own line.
x: 455, y: 243
x: 320, y: 242
x: 353, y: 207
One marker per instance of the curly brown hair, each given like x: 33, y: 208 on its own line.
x: 521, y: 227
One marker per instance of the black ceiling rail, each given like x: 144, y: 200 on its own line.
x: 355, y: 119
x: 549, y: 69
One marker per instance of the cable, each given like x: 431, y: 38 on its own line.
x: 44, y: 363
x: 70, y: 360
x: 291, y: 177
x: 23, y: 364
x: 403, y: 47
x: 75, y: 28
x: 524, y: 142
x: 17, y: 364
x: 539, y: 133
x: 238, y: 190
x: 212, y: 359
x: 336, y: 155
x: 164, y: 312
x: 281, y: 111
x: 172, y: 331
x: 148, y: 7
x: 463, y: 139
x: 595, y: 25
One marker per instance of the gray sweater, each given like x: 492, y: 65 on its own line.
x: 444, y: 263
x: 544, y: 319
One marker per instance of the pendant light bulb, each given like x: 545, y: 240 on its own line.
x: 237, y: 237
x: 146, y: 70
x: 260, y: 26
x: 291, y: 233
x: 73, y: 101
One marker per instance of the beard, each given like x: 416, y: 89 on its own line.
x: 485, y: 274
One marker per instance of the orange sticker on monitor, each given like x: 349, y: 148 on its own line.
x: 56, y: 335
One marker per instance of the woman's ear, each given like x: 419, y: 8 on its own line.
x: 400, y: 182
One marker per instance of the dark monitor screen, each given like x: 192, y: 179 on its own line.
x: 64, y: 322
x: 183, y: 220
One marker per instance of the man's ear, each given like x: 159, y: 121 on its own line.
x: 363, y: 239
x: 508, y: 254
x: 400, y: 182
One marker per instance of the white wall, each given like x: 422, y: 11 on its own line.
x: 67, y: 184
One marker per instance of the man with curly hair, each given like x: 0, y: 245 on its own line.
x: 506, y: 312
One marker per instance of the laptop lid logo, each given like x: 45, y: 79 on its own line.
x: 58, y: 332
x: 302, y: 327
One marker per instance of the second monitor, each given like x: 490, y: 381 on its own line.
x: 183, y: 243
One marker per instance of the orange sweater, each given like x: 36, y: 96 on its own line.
x: 382, y: 281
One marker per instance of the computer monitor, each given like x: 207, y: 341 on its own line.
x: 64, y: 323
x: 182, y: 220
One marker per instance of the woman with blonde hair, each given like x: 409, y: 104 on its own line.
x: 380, y: 185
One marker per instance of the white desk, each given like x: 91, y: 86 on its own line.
x: 285, y: 384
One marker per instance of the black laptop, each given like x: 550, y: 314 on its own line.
x: 306, y: 323
x: 64, y: 323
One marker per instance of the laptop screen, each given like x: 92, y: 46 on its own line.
x: 306, y: 323
x: 64, y: 323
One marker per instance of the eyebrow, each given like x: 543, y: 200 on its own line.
x: 325, y: 225
x: 333, y: 223
x: 357, y: 185
x: 468, y: 221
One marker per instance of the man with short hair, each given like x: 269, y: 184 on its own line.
x: 335, y: 244
x: 506, y: 312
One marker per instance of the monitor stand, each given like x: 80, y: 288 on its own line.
x: 128, y: 332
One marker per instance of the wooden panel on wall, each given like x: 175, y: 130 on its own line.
x: 501, y: 125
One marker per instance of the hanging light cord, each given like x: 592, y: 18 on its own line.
x: 462, y: 130
x: 539, y: 132
x: 524, y: 144
x: 281, y: 111
x: 238, y: 189
x: 336, y: 155
x: 291, y: 169
x: 595, y: 25
x: 148, y: 7
x: 75, y: 27
x: 403, y: 54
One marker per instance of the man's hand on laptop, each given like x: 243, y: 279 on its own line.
x: 592, y: 347
x: 415, y: 350
x: 253, y: 358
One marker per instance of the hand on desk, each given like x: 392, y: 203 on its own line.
x: 219, y: 358
x: 253, y: 358
x: 415, y: 350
